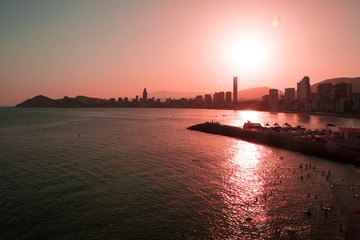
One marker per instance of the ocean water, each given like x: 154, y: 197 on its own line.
x: 122, y: 173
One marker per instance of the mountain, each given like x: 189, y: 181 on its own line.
x: 38, y: 101
x: 355, y: 82
x: 253, y: 93
x: 42, y: 101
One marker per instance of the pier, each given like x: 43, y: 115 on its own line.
x: 318, y: 147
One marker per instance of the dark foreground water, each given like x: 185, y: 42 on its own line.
x: 139, y: 174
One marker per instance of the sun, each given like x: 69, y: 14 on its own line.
x: 246, y: 53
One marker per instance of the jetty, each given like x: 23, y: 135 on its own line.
x: 315, y: 143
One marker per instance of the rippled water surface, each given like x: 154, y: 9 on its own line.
x: 139, y: 173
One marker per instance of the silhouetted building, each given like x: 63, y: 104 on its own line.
x: 228, y: 97
x: 304, y: 90
x: 290, y: 94
x: 145, y: 95
x: 342, y: 91
x: 273, y: 98
x: 324, y: 91
x: 343, y: 105
x: 221, y: 97
x: 356, y: 102
x: 199, y: 99
x: 120, y: 100
x: 216, y: 98
x: 265, y: 101
x: 208, y: 99
x: 324, y: 100
x: 235, y: 91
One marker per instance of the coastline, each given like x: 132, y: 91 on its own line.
x: 41, y: 101
x: 324, y: 149
x: 343, y: 115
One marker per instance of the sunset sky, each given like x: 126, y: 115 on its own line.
x: 115, y: 48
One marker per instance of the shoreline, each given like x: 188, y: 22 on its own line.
x: 330, y: 149
x: 329, y: 114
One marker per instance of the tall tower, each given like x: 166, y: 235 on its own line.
x: 304, y: 90
x: 144, y: 95
x: 235, y: 90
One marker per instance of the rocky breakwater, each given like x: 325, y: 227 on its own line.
x: 277, y: 139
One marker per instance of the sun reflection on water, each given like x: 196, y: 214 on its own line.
x: 243, y: 191
x: 243, y: 116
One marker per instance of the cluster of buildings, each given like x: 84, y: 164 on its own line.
x: 219, y: 99
x: 216, y: 100
x: 328, y: 98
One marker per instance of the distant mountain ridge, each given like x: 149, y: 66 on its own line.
x: 355, y: 82
x: 253, y: 93
x: 66, y: 102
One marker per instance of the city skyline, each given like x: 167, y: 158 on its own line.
x: 333, y: 95
x: 113, y: 48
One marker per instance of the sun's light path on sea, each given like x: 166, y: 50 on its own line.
x: 244, y: 188
x: 240, y: 118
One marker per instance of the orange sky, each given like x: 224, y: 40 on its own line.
x: 115, y: 48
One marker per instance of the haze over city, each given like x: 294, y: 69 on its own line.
x: 116, y: 48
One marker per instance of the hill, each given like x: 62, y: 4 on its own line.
x: 38, y: 101
x: 355, y: 82
x: 253, y: 93
x: 66, y: 102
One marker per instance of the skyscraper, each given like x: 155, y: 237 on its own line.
x: 235, y: 90
x: 228, y: 97
x: 304, y: 90
x: 144, y: 95
x: 273, y: 98
x: 324, y: 91
x: 208, y: 99
x: 290, y: 94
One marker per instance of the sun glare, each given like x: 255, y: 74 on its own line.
x: 246, y: 53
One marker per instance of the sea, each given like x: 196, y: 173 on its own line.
x: 139, y: 173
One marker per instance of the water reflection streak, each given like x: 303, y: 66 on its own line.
x: 244, y: 188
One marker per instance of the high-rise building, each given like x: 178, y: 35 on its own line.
x: 221, y: 97
x: 145, y: 95
x: 228, y: 97
x: 273, y: 98
x: 289, y: 94
x: 265, y: 100
x: 216, y: 98
x: 208, y: 99
x: 304, y: 90
x: 235, y: 82
x: 199, y: 99
x: 342, y: 91
x: 324, y: 91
